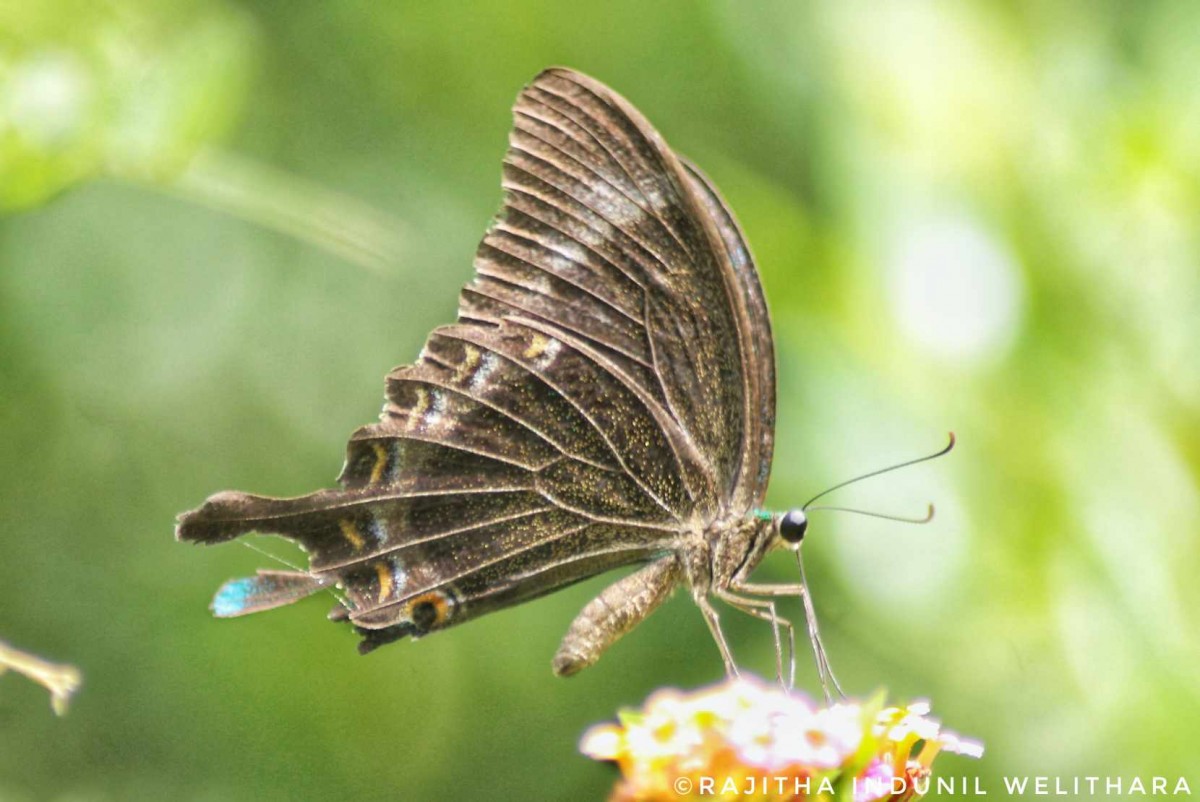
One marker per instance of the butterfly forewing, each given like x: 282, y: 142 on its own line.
x: 756, y: 341
x: 609, y: 385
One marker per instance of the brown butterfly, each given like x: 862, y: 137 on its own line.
x: 606, y: 398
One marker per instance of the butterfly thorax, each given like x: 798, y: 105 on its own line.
x: 727, y: 548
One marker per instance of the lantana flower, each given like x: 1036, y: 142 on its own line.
x: 748, y: 740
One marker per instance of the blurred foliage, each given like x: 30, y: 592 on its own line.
x: 112, y: 88
x: 973, y: 215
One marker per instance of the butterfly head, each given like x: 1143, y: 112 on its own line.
x: 791, y: 527
x: 780, y: 530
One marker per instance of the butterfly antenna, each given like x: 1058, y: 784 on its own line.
x: 901, y: 518
x: 888, y: 469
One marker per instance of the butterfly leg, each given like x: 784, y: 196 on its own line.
x: 714, y: 626
x: 619, y: 608
x: 824, y: 669
x: 764, y: 610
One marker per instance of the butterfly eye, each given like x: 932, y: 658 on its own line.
x: 792, y: 526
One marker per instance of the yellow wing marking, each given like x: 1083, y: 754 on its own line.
x: 381, y: 460
x: 384, y: 572
x: 351, y: 533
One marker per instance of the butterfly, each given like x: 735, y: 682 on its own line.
x: 606, y: 398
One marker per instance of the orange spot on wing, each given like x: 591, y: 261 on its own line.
x: 384, y: 572
x: 438, y: 600
x: 351, y: 533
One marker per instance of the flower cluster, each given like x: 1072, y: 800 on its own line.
x: 747, y: 740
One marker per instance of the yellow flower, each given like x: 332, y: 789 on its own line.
x: 748, y: 740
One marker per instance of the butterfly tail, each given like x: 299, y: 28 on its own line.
x: 333, y: 526
x: 265, y: 591
x: 227, y: 515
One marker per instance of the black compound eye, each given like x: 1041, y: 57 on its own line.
x: 793, y: 525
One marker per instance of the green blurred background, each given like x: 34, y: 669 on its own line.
x: 224, y: 222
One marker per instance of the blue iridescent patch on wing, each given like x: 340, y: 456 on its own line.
x: 266, y: 591
x: 234, y: 596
